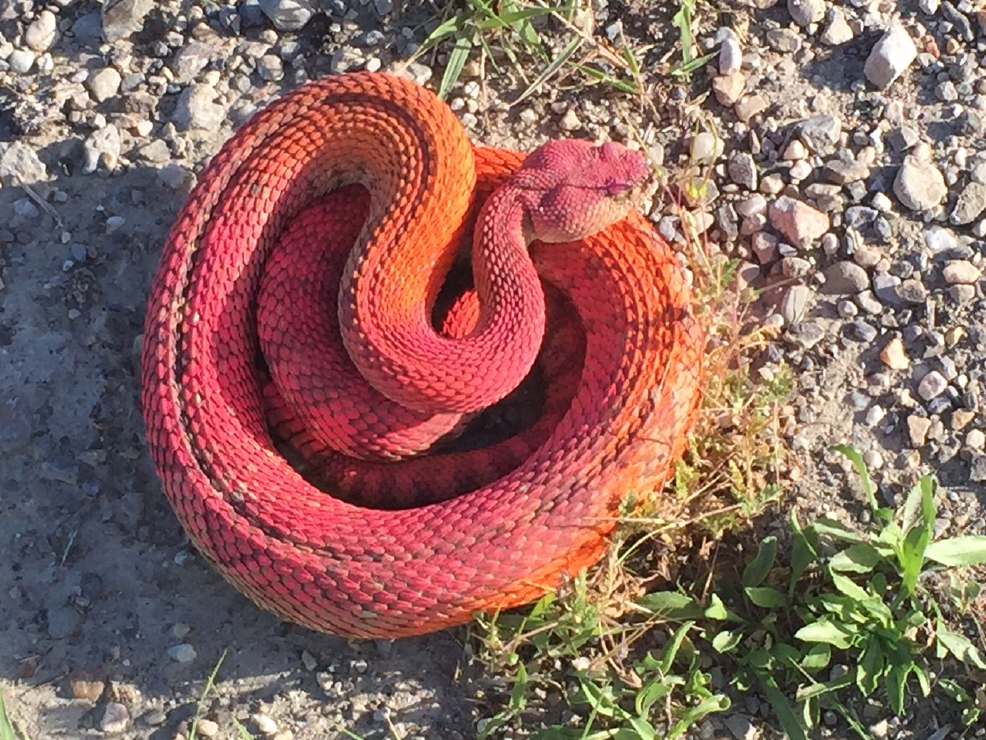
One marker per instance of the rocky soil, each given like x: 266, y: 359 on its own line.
x: 847, y: 149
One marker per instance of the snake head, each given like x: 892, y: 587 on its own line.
x: 574, y: 188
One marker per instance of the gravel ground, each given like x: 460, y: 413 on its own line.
x: 848, y: 174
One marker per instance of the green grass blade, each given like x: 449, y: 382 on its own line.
x: 456, y: 61
x: 556, y: 64
x: 864, y: 475
x: 782, y: 709
x: 7, y: 731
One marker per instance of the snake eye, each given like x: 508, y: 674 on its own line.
x: 618, y: 190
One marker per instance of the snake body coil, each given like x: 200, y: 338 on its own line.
x: 332, y: 565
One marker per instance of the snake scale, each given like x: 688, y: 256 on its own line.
x: 381, y: 160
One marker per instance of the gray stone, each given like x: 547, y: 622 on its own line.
x: 806, y: 12
x: 115, y: 719
x: 197, y: 108
x: 19, y: 165
x: 820, y: 133
x: 784, y: 39
x: 845, y: 278
x: 102, y: 148
x: 121, y: 18
x: 21, y: 61
x: 970, y: 204
x: 104, y: 84
x: 919, y: 186
x: 742, y: 169
x: 890, y: 56
x: 730, y: 55
x: 838, y: 31
x: 287, y: 15
x: 932, y: 385
x: 190, y: 60
x: 841, y: 172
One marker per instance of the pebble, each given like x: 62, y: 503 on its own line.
x: 890, y: 56
x: 729, y: 88
x: 838, y: 31
x: 40, y: 35
x: 155, y: 717
x: 570, y: 121
x: 841, y: 172
x: 975, y: 439
x: 741, y: 728
x: 115, y: 719
x: 806, y: 12
x: 197, y: 108
x: 183, y: 653
x: 265, y: 725
x: 706, y: 148
x: 961, y: 272
x: 104, y: 84
x: 932, y: 385
x: 123, y: 18
x: 742, y: 169
x: 970, y: 204
x: 794, y: 305
x: 785, y: 40
x: 730, y: 55
x: 287, y: 15
x: 21, y: 60
x: 190, y: 60
x: 820, y: 133
x: 845, y: 278
x: 749, y: 106
x: 919, y: 185
x: 20, y: 164
x: 939, y: 239
x: 102, y: 148
x: 917, y: 430
x: 798, y: 222
x: 207, y: 727
x: 894, y: 356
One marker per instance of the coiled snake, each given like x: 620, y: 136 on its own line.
x: 481, y: 529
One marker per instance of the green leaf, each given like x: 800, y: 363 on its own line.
x: 969, y: 549
x: 518, y: 694
x: 912, y: 558
x: 849, y: 588
x: 671, y: 605
x: 829, y: 633
x: 758, y: 568
x: 643, y: 728
x: 716, y: 609
x: 689, y: 717
x: 651, y: 692
x: 870, y: 668
x: 670, y: 650
x: 860, y: 557
x: 726, y: 640
x: 803, y: 552
x: 836, y: 530
x: 817, y: 657
x: 961, y: 647
x: 766, y: 597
